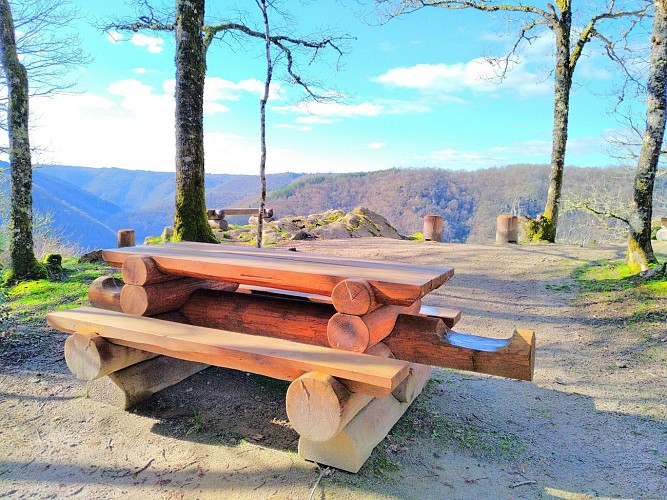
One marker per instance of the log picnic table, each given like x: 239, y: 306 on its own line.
x: 352, y: 336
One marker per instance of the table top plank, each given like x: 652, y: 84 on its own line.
x: 276, y: 358
x: 309, y: 273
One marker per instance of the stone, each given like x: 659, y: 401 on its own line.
x: 94, y: 256
x: 661, y: 235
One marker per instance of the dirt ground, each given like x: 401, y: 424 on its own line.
x: 593, y: 423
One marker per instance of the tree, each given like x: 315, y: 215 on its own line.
x: 196, y: 37
x: 23, y: 261
x: 262, y: 120
x: 640, y: 252
x: 569, y: 45
x: 190, y: 221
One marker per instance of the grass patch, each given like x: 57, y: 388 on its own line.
x: 29, y: 301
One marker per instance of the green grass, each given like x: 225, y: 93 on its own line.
x: 31, y: 300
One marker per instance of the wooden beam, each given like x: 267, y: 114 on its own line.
x: 89, y: 356
x: 358, y: 333
x: 104, y: 293
x: 276, y: 358
x: 351, y: 447
x: 141, y: 270
x: 437, y: 346
x: 391, y: 286
x: 137, y: 383
x: 164, y: 297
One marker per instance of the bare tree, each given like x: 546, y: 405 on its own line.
x: 262, y: 120
x: 23, y: 262
x: 190, y: 221
x: 569, y: 45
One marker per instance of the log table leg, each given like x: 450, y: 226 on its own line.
x: 351, y: 447
x: 137, y: 383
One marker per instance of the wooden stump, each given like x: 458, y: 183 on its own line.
x: 432, y: 228
x: 126, y: 238
x: 507, y: 229
x: 352, y: 446
x: 137, y: 383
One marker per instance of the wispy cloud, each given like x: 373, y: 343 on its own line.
x: 332, y: 109
x: 152, y: 44
x: 303, y: 128
x: 377, y: 145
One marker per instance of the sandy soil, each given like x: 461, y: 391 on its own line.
x: 592, y: 424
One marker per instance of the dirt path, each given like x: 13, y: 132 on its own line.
x: 593, y: 423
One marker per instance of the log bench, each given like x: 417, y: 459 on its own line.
x: 352, y: 336
x: 217, y: 221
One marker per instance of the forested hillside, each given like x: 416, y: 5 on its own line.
x: 469, y: 201
x: 89, y: 205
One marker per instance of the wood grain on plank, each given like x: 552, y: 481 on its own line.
x: 391, y: 286
x: 276, y: 358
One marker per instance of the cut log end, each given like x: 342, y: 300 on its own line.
x: 104, y: 293
x: 354, y: 296
x: 140, y: 270
x: 348, y: 333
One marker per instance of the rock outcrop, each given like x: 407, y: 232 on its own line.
x: 332, y: 224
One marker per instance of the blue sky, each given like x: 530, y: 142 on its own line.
x: 415, y: 95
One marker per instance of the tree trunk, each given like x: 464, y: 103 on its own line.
x: 640, y: 252
x: 562, y: 86
x: 262, y: 121
x: 23, y: 262
x: 190, y: 221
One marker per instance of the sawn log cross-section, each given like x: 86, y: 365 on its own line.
x: 352, y: 335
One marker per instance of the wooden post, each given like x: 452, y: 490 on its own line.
x: 432, y: 228
x: 126, y: 238
x: 507, y: 229
x: 351, y: 447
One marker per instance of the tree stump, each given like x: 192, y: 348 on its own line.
x: 432, y: 228
x: 126, y: 238
x: 507, y: 229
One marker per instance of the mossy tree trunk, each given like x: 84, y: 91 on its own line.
x: 190, y: 220
x: 562, y: 87
x: 640, y: 252
x: 23, y: 262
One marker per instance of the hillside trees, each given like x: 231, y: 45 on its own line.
x: 569, y: 42
x: 194, y: 37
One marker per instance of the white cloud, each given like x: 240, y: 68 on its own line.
x: 332, y: 109
x: 313, y: 119
x: 114, y: 36
x: 140, y: 71
x: 304, y: 128
x: 478, y: 75
x: 219, y: 89
x: 212, y: 108
x: 152, y: 44
x: 376, y: 145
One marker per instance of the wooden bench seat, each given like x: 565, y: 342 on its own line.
x: 393, y: 283
x: 276, y: 358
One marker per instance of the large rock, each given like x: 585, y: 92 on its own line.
x: 661, y: 235
x: 332, y: 224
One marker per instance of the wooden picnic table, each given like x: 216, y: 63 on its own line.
x: 351, y: 334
